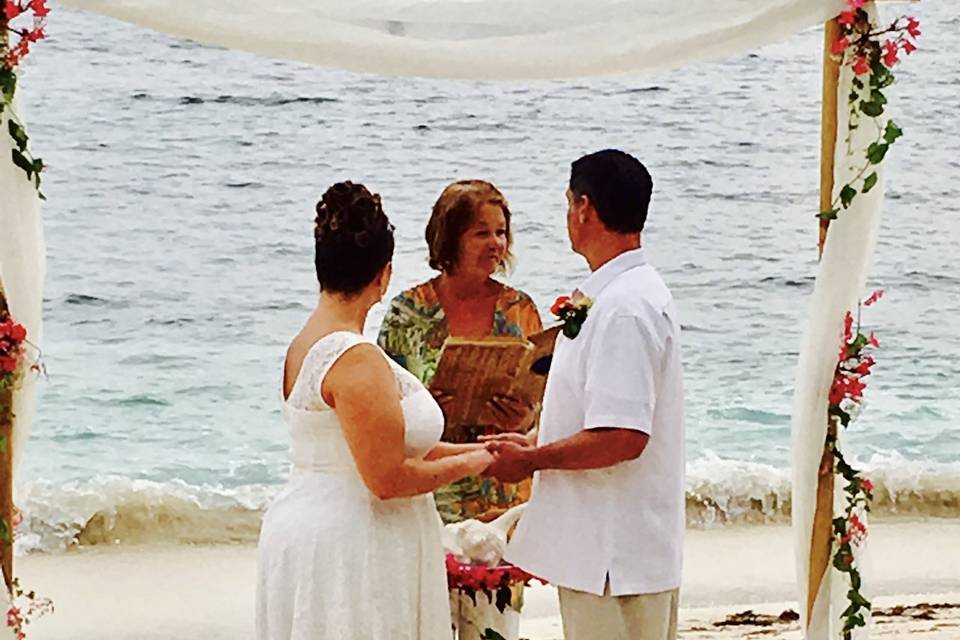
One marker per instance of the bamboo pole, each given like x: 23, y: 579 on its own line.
x: 6, y: 473
x: 822, y: 537
x: 6, y: 411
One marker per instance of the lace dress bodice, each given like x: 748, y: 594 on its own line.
x: 316, y: 439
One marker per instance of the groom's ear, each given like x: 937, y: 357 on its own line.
x: 585, y: 211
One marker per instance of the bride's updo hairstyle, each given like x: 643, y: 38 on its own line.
x: 353, y: 239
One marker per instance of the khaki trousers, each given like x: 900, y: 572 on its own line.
x: 650, y: 616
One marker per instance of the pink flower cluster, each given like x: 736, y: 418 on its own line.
x: 28, y: 608
x: 14, y: 9
x: 857, y: 33
x: 856, y: 531
x: 12, y: 336
x: 480, y: 578
x: 854, y: 364
x: 15, y: 621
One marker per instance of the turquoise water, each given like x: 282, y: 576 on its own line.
x: 181, y: 189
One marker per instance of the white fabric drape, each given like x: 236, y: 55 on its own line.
x: 22, y: 267
x: 841, y: 278
x: 479, y: 39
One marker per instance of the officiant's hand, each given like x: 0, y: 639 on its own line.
x: 512, y: 462
x: 513, y: 414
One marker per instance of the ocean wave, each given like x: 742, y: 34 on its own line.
x: 720, y: 492
x: 731, y: 492
x: 117, y: 510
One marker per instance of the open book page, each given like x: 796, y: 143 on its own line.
x: 472, y: 372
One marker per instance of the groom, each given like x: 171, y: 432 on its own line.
x: 606, y: 518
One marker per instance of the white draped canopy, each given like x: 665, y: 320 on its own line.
x: 480, y: 39
x: 514, y: 40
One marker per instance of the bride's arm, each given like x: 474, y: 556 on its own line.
x: 447, y: 449
x: 362, y: 390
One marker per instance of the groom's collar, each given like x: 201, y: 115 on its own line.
x: 599, y: 279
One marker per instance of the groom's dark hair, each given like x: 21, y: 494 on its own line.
x: 619, y: 188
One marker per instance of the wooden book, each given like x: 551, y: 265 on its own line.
x: 473, y: 372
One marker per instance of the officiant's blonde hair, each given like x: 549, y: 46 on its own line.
x: 453, y: 214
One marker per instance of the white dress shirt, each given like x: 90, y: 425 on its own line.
x: 623, y: 524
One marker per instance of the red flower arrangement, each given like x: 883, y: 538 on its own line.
x: 871, y: 52
x: 33, y: 608
x: 495, y: 582
x: 12, y: 339
x: 13, y: 9
x: 845, y: 402
x: 24, y: 23
x: 13, y: 344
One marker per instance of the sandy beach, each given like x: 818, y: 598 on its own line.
x: 206, y: 592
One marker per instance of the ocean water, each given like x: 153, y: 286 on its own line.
x: 181, y: 188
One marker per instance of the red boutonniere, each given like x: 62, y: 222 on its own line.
x: 572, y: 312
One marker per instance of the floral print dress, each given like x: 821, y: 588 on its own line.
x: 413, y: 332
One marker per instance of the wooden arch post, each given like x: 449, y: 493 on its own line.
x: 6, y: 411
x: 6, y: 473
x: 821, y: 542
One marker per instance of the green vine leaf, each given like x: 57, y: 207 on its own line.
x: 870, y: 182
x: 18, y: 134
x: 21, y: 161
x: 829, y: 214
x: 847, y: 194
x: 892, y: 132
x: 8, y: 84
x: 872, y: 109
x: 839, y: 525
x: 876, y: 152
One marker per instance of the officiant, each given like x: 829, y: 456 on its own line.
x: 469, y: 240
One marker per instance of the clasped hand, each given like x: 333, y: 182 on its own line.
x: 512, y: 456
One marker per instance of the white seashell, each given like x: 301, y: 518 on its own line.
x: 480, y: 543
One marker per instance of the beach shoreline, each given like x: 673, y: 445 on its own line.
x: 162, y: 592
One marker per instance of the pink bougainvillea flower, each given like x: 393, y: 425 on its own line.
x: 913, y: 27
x: 839, y: 45
x: 890, y: 56
x: 39, y: 8
x: 909, y: 47
x: 873, y: 340
x: 861, y: 66
x: 18, y: 333
x: 12, y: 10
x: 36, y: 35
x: 8, y: 364
x: 847, y: 17
x: 876, y: 295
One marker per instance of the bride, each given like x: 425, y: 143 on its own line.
x: 350, y: 548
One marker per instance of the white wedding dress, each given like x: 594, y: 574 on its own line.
x: 334, y: 561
